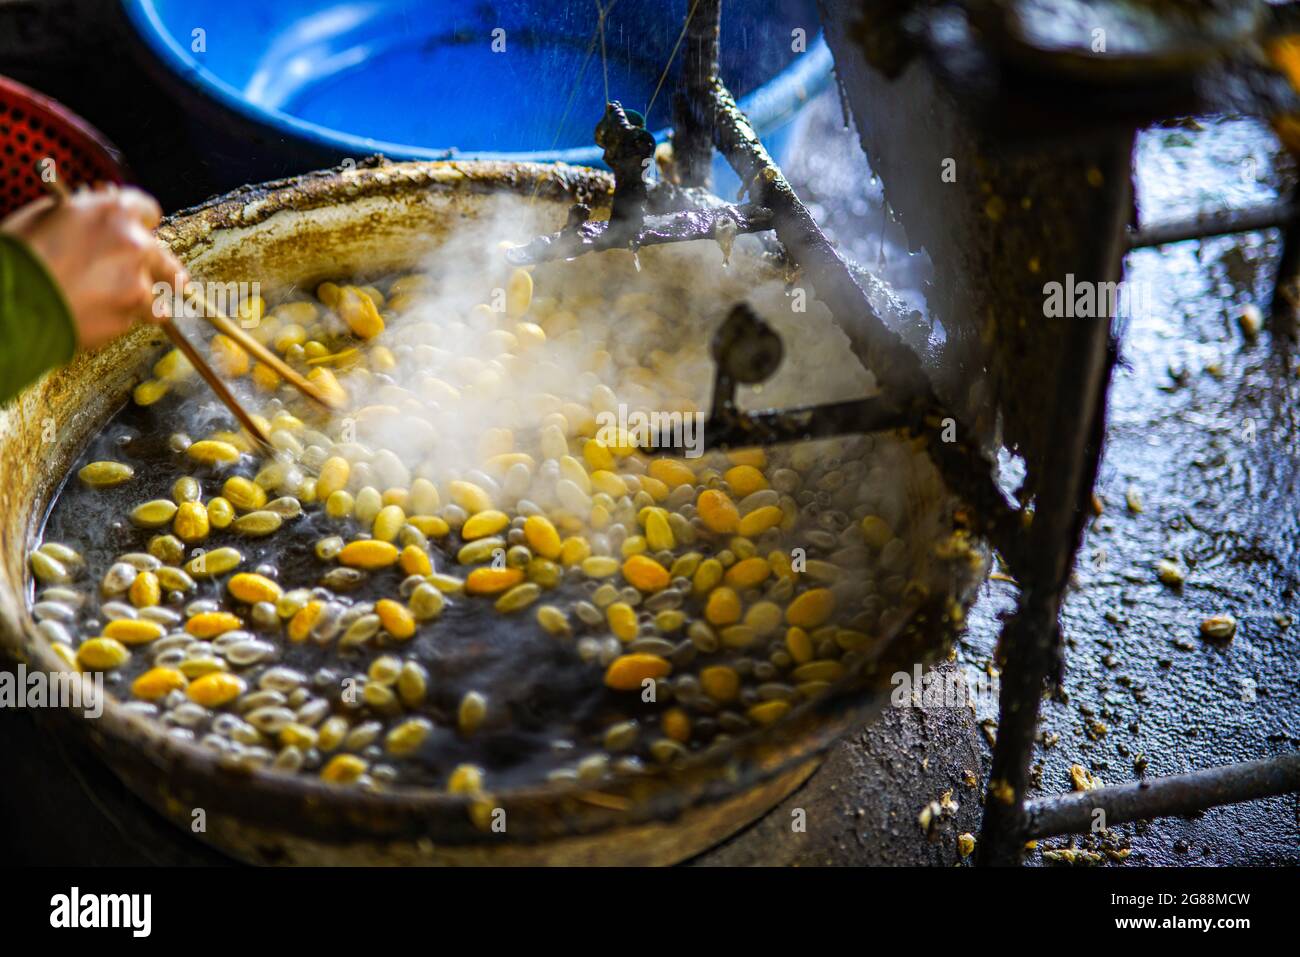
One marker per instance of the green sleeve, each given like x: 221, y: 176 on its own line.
x: 36, y: 327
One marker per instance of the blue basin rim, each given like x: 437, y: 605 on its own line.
x: 768, y: 107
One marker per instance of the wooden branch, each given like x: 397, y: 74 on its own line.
x: 693, y: 103
x: 1163, y: 797
x: 583, y: 236
x: 896, y: 367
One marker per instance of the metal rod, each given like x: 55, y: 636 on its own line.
x: 1221, y: 223
x: 1283, y: 307
x: 1281, y: 215
x: 693, y: 115
x: 1163, y: 797
x: 739, y: 430
x: 596, y: 236
x: 747, y: 351
x: 1030, y: 646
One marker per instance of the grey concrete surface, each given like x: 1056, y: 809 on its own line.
x: 863, y: 806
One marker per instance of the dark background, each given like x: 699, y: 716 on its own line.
x: 80, y: 53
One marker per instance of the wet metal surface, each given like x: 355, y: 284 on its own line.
x: 1204, y: 428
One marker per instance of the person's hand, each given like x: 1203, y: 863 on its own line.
x: 99, y: 248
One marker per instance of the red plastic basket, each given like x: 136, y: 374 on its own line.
x: 34, y: 127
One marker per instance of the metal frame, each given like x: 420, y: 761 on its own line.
x: 1041, y: 557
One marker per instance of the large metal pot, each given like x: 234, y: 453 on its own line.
x: 300, y: 231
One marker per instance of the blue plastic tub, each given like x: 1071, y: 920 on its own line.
x: 277, y: 87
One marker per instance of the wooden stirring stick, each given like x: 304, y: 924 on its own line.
x: 61, y: 195
x: 215, y: 382
x: 262, y: 354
